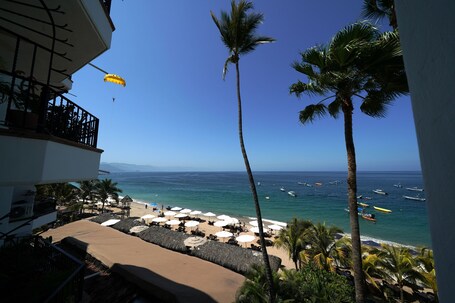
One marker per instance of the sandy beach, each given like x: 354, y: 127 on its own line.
x: 138, y: 210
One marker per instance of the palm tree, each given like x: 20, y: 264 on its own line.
x: 324, y: 249
x: 291, y: 238
x: 425, y: 260
x: 238, y: 33
x: 105, y: 189
x: 358, y: 62
x: 87, y: 190
x: 380, y: 9
x: 397, y: 264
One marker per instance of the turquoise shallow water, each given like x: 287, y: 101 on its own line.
x: 229, y: 193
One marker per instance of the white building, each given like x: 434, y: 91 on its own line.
x: 44, y: 136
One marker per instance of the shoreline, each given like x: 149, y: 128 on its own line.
x: 245, y: 219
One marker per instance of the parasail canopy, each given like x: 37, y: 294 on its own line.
x: 115, y: 79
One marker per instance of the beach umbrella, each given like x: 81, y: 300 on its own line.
x: 209, y: 214
x: 221, y: 223
x: 185, y: 211
x: 172, y: 222
x: 194, y: 241
x: 223, y: 217
x: 110, y: 222
x: 254, y: 223
x: 176, y: 208
x: 159, y: 219
x: 256, y: 229
x: 224, y: 234
x: 191, y: 223
x: 275, y: 227
x: 245, y: 238
x: 195, y: 212
x: 138, y: 229
x: 232, y: 220
x: 180, y: 216
x: 170, y: 213
x: 148, y: 216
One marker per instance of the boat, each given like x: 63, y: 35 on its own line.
x: 363, y: 204
x: 360, y: 197
x: 367, y: 198
x: 336, y: 182
x: 292, y: 193
x: 318, y: 183
x: 414, y: 188
x: 369, y: 217
x: 384, y: 210
x: 267, y: 197
x: 301, y: 183
x: 259, y: 183
x: 417, y: 198
x: 282, y: 188
x: 398, y: 185
x: 379, y: 192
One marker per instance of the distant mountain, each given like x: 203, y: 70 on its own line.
x: 125, y: 167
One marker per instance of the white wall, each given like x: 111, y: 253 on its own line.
x: 427, y: 33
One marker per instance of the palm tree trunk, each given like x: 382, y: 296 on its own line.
x: 352, y: 193
x: 268, y: 269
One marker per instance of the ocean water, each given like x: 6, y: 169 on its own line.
x: 229, y: 193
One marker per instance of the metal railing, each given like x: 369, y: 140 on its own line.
x: 34, y: 106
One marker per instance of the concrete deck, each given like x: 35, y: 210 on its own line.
x: 167, y: 275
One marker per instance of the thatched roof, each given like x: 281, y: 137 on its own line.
x: 104, y: 217
x: 126, y: 199
x: 165, y: 238
x: 233, y: 257
x: 126, y: 224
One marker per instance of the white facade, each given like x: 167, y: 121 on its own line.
x: 427, y: 33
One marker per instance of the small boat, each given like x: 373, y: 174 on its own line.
x: 369, y: 217
x: 318, y: 183
x: 308, y: 185
x: 367, y: 198
x: 292, y: 193
x: 379, y: 192
x: 417, y: 198
x: 267, y: 197
x: 363, y: 204
x: 384, y: 210
x: 414, y: 188
x: 398, y: 185
x: 336, y: 182
x: 259, y: 183
x: 282, y: 188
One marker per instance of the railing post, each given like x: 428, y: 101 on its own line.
x: 42, y: 109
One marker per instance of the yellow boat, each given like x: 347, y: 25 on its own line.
x: 363, y: 204
x: 384, y: 210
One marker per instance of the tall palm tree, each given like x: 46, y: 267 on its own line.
x: 358, y: 62
x: 380, y: 9
x: 238, y: 33
x: 291, y: 238
x: 105, y: 189
x: 397, y: 264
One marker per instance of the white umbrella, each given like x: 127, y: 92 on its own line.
x: 254, y: 223
x: 110, y: 222
x: 138, y: 229
x: 223, y: 217
x: 148, y: 216
x: 223, y: 234
x: 194, y: 241
x: 245, y: 238
x: 180, y: 216
x: 170, y: 213
x: 232, y: 220
x: 195, y: 212
x: 221, y: 223
x: 172, y: 222
x: 254, y: 229
x: 159, y: 219
x: 176, y: 208
x: 275, y: 227
x: 191, y: 223
x: 209, y: 214
x: 185, y: 211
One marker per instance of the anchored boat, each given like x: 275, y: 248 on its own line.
x: 417, y: 198
x: 384, y: 210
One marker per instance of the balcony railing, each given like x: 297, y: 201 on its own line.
x: 36, y: 107
x: 44, y: 272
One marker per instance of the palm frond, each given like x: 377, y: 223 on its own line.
x: 310, y: 88
x: 334, y: 108
x: 359, y: 32
x: 311, y: 112
x: 315, y: 56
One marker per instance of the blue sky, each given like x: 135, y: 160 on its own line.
x: 177, y: 113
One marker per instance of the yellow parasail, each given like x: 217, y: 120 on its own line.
x: 115, y: 79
